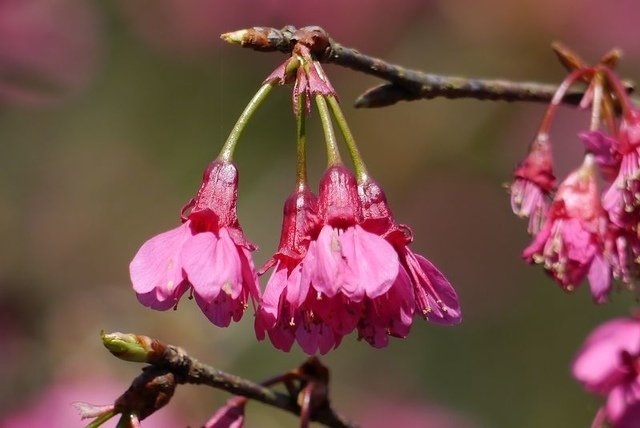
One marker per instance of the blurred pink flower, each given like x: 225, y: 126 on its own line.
x: 231, y: 415
x: 379, y: 412
x: 208, y: 253
x: 533, y: 183
x: 608, y: 364
x: 53, y: 405
x: 193, y: 27
x: 621, y: 199
x: 48, y: 49
x: 604, y: 148
x: 571, y: 243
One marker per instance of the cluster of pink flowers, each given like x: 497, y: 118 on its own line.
x: 580, y: 231
x: 343, y: 263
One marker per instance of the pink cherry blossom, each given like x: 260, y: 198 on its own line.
x: 534, y: 180
x: 208, y: 254
x: 332, y: 275
x: 570, y: 245
x: 608, y: 364
x: 621, y: 198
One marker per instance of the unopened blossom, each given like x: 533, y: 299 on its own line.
x: 570, y: 245
x: 622, y: 198
x: 208, y: 254
x: 231, y: 415
x: 433, y: 295
x: 608, y: 364
x: 532, y: 184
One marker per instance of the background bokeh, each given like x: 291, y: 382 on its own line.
x: 109, y: 112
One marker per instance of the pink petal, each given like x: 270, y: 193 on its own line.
x: 156, y: 269
x: 268, y: 311
x: 623, y: 404
x: 339, y: 312
x: 212, y: 265
x: 354, y: 262
x: 90, y: 411
x: 372, y: 263
x: 390, y: 314
x: 298, y: 282
x: 222, y: 309
x: 324, y: 265
x: 249, y: 275
x: 231, y: 415
x: 316, y: 338
x: 539, y: 241
x: 282, y: 336
x: 446, y: 292
x: 600, y: 279
x: 578, y: 241
x: 598, y: 364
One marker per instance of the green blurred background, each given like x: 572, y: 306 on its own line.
x: 149, y: 95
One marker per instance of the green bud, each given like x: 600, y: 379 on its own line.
x: 234, y: 37
x: 131, y: 347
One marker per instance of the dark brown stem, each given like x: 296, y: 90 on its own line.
x: 188, y: 370
x: 404, y: 84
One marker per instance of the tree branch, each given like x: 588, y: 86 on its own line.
x: 165, y: 358
x: 404, y: 84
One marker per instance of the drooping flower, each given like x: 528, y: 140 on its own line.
x: 286, y: 311
x: 622, y: 198
x: 571, y: 243
x: 207, y: 254
x: 434, y: 296
x: 348, y: 264
x: 533, y: 183
x: 231, y: 415
x: 331, y: 275
x: 608, y: 364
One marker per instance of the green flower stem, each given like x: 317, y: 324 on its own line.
x: 333, y: 155
x: 356, y: 158
x: 301, y: 154
x: 226, y: 154
x: 101, y: 419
